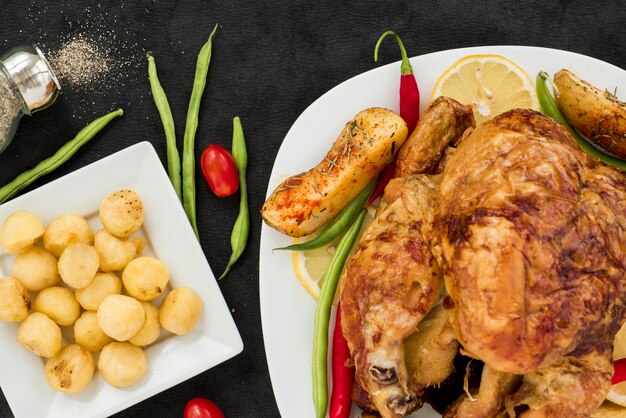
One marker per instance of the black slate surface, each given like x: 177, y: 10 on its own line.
x: 270, y: 61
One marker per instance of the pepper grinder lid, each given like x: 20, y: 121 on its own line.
x: 30, y: 74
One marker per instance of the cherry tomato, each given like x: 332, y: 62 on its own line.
x: 202, y: 408
x: 220, y: 171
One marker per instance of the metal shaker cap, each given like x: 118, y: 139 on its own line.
x: 31, y: 75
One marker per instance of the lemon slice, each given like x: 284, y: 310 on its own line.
x: 617, y: 394
x: 492, y: 84
x: 619, y: 344
x: 609, y: 410
x: 310, y: 266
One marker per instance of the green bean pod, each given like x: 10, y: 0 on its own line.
x: 337, y: 226
x: 163, y: 106
x: 322, y: 315
x: 189, y: 160
x: 61, y: 156
x: 549, y: 107
x: 241, y: 229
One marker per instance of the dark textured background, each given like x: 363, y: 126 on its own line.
x: 270, y: 61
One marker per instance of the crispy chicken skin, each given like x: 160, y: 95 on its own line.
x: 568, y: 388
x: 533, y: 251
x: 393, y: 280
x: 390, y: 283
x: 440, y: 125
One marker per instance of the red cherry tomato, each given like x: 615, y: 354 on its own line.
x: 202, y: 408
x: 220, y: 171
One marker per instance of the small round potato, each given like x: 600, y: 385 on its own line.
x: 122, y: 364
x: 121, y: 213
x: 78, y: 265
x: 151, y: 328
x: 145, y: 278
x: 36, y: 268
x: 88, y: 333
x: 121, y: 317
x: 70, y: 370
x: 103, y: 285
x: 59, y: 303
x: 14, y: 300
x: 180, y: 310
x: 40, y: 335
x: 115, y: 253
x: 66, y: 230
x: 20, y: 231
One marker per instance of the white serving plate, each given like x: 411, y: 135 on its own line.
x: 287, y: 310
x: 168, y: 235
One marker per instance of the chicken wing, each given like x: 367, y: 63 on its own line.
x: 441, y: 125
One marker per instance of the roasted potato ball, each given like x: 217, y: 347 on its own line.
x: 121, y: 213
x: 40, y: 335
x: 59, y: 303
x: 122, y: 364
x: 88, y: 333
x: 180, y: 310
x: 14, y: 300
x: 151, y: 328
x: 103, y: 285
x: 145, y: 278
x: 78, y: 265
x: 115, y: 253
x: 66, y: 230
x: 70, y: 370
x: 121, y: 317
x: 36, y: 269
x: 20, y: 231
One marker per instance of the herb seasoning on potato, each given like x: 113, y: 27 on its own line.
x: 305, y: 202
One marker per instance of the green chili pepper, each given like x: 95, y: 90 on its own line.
x: 338, y: 225
x: 322, y: 315
x: 241, y: 229
x: 550, y: 108
x: 189, y: 161
x: 62, y: 155
x: 163, y: 106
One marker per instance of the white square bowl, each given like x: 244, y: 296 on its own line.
x: 168, y: 236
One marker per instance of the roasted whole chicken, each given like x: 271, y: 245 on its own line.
x: 505, y: 242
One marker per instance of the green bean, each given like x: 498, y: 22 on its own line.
x: 337, y: 226
x: 163, y: 106
x: 62, y: 155
x: 550, y: 108
x: 241, y: 229
x: 322, y: 315
x: 189, y: 161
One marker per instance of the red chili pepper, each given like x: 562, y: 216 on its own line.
x: 409, y: 107
x: 619, y: 375
x: 409, y: 93
x: 220, y: 171
x: 343, y: 376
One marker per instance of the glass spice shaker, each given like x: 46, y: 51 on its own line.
x: 27, y: 85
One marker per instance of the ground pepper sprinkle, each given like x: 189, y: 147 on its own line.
x: 10, y: 107
x: 80, y: 61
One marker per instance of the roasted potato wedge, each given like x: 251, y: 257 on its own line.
x: 306, y: 201
x: 596, y: 114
